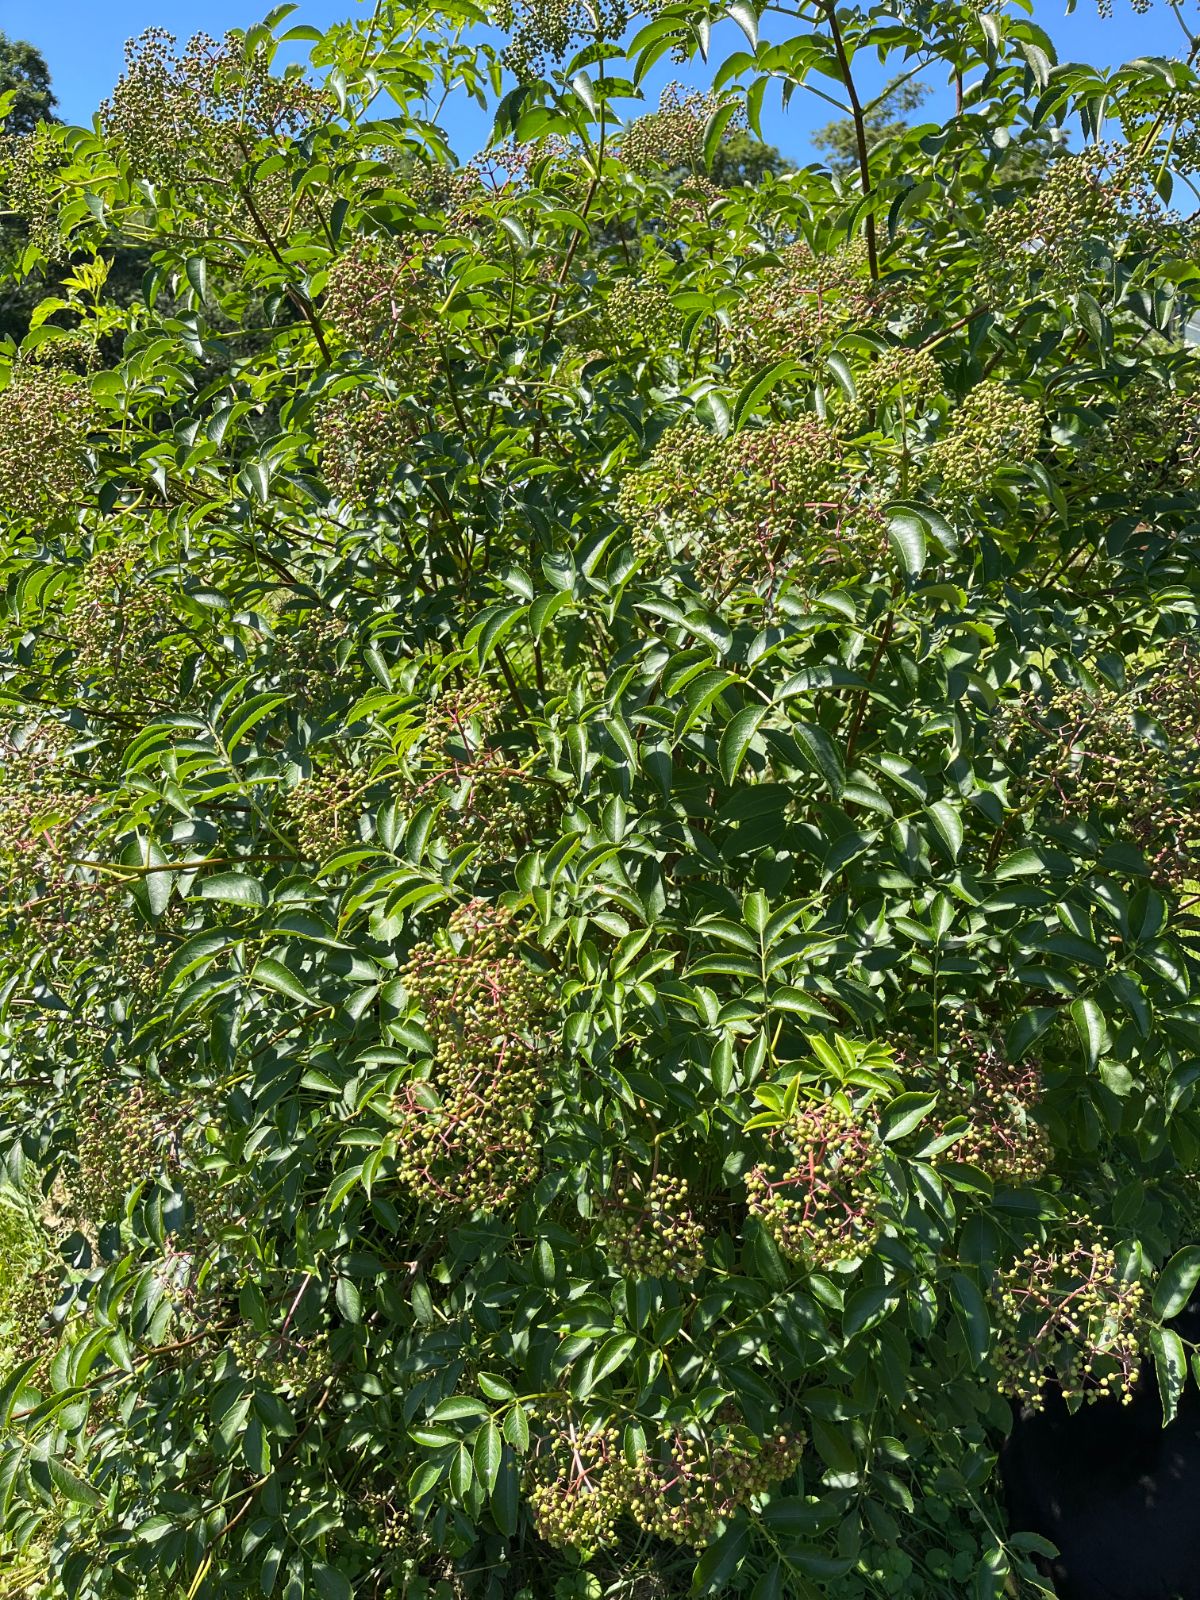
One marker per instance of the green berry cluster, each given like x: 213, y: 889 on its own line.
x: 900, y: 377
x: 574, y: 1486
x: 693, y: 1480
x: 308, y: 651
x: 993, y: 427
x: 362, y: 436
x: 26, y: 1279
x: 125, y: 1135
x: 324, y: 812
x: 672, y: 136
x: 465, y: 1131
x: 381, y: 300
x: 1152, y: 436
x: 655, y: 1233
x: 198, y: 116
x: 999, y: 1099
x: 542, y: 31
x: 792, y: 308
x: 1052, y: 232
x: 31, y: 166
x: 850, y: 536
x: 45, y: 417
x: 746, y: 505
x: 1064, y: 1313
x: 486, y: 800
x: 123, y: 630
x: 637, y: 313
x: 282, y: 1362
x: 817, y: 1195
x: 1083, y: 753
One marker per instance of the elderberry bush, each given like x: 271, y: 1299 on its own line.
x: 598, y: 781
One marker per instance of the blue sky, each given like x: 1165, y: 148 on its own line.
x: 82, y: 40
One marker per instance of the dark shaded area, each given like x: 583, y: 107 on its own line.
x: 1117, y: 1492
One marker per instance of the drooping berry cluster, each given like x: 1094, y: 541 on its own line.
x: 485, y: 799
x: 363, y: 435
x: 544, y: 30
x: 993, y: 427
x: 122, y: 628
x: 790, y: 309
x: 693, y: 1480
x: 654, y: 1233
x: 1053, y: 231
x: 999, y: 1099
x: 31, y: 165
x: 45, y: 417
x: 283, y: 1361
x: 574, y: 1485
x: 465, y: 1131
x: 681, y: 1487
x: 324, y: 811
x: 125, y: 1135
x: 902, y: 378
x: 381, y: 298
x: 1065, y: 1314
x: 1152, y: 436
x: 817, y: 1194
x: 747, y: 505
x: 1090, y: 754
x: 308, y: 651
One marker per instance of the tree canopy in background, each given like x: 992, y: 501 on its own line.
x: 598, y: 809
x: 25, y: 75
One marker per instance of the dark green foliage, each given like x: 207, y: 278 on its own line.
x: 600, y: 947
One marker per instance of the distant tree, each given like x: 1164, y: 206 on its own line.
x: 23, y: 69
x: 886, y: 120
x: 742, y: 159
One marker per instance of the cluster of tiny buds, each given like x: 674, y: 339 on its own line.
x: 672, y: 136
x: 324, y: 811
x: 381, y: 299
x: 681, y: 1488
x: 636, y: 313
x: 45, y: 418
x: 791, y: 308
x: 655, y: 1233
x: 1065, y: 1314
x: 1051, y: 231
x: 465, y: 1134
x: 993, y: 427
x: 1152, y: 436
x: 198, y: 114
x: 282, y: 1362
x: 817, y: 1194
x: 543, y: 30
x: 486, y: 800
